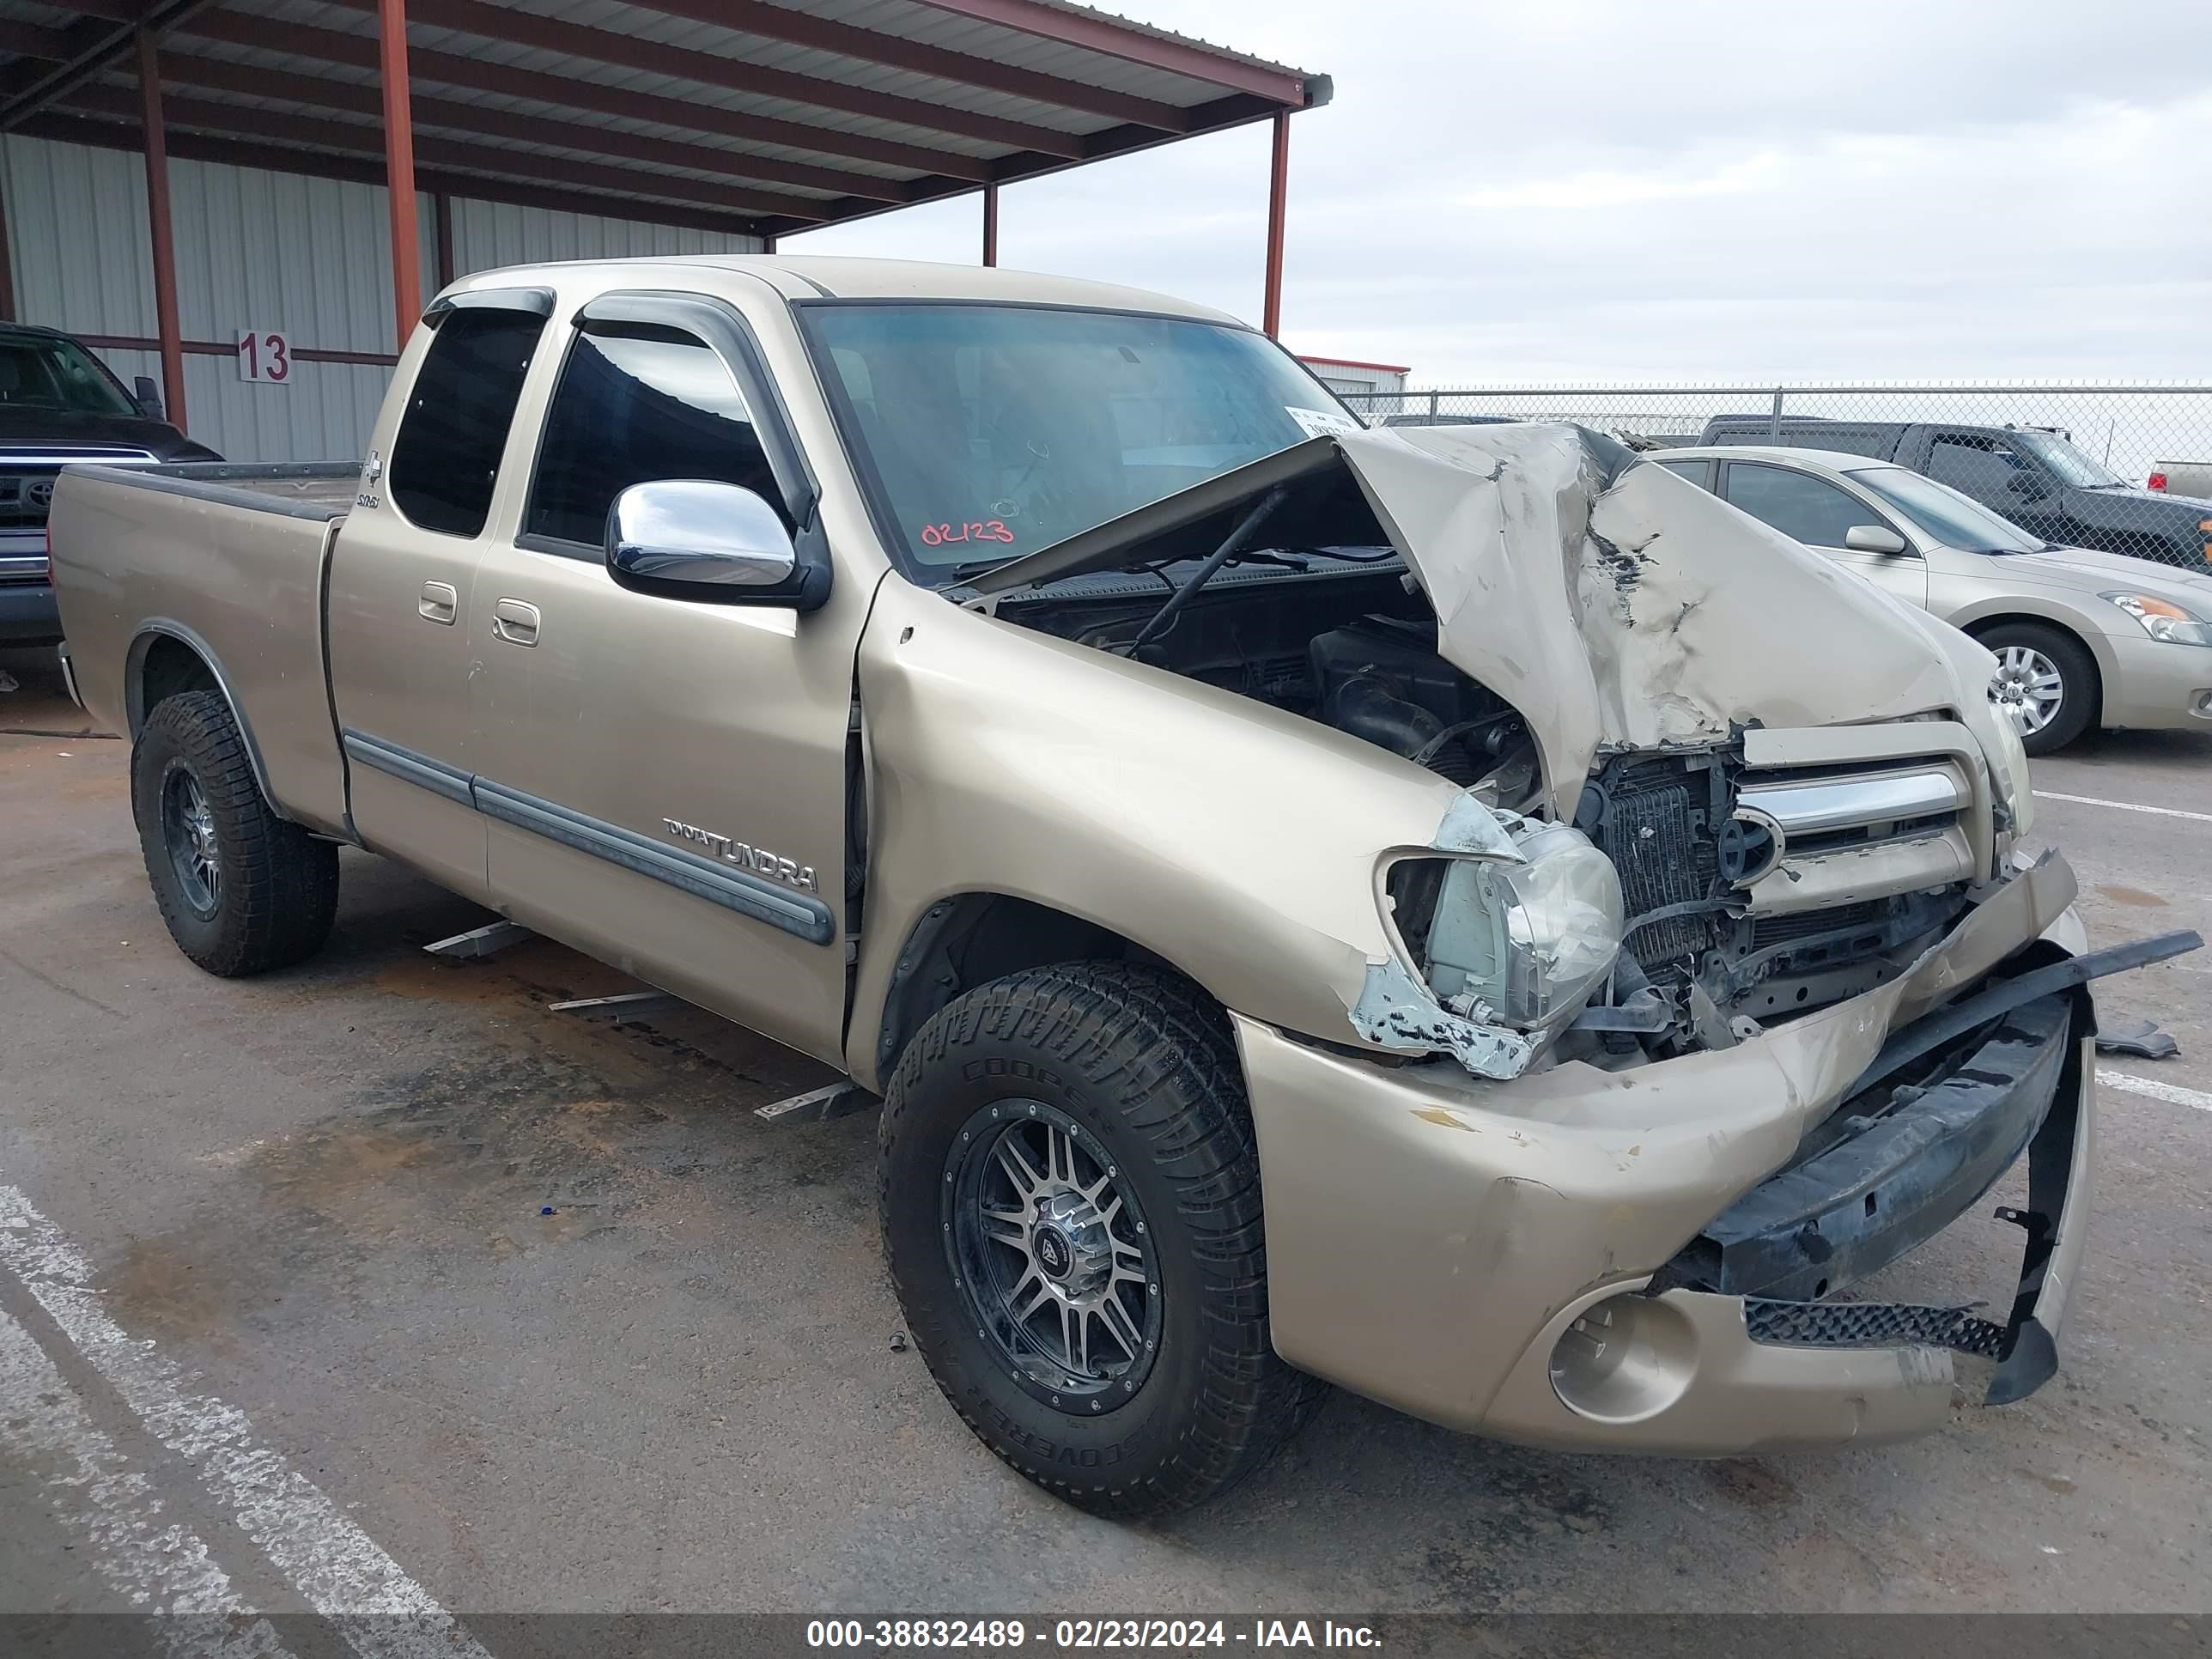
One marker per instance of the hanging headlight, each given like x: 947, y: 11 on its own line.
x: 1518, y: 944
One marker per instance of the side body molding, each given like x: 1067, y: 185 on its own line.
x: 801, y: 915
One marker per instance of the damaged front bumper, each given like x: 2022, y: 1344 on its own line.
x: 1602, y: 1260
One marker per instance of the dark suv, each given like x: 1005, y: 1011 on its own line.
x: 2033, y: 475
x: 59, y: 404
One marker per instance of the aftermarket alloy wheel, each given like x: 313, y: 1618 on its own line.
x: 241, y: 889
x: 2046, y: 684
x: 1071, y: 1207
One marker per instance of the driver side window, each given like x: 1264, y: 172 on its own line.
x: 636, y: 402
x: 1802, y: 507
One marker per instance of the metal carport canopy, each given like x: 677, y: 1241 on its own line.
x: 757, y: 117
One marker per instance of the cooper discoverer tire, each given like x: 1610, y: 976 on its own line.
x: 241, y: 890
x: 1068, y: 1137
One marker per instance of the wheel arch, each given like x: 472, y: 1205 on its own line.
x: 168, y: 658
x: 970, y: 939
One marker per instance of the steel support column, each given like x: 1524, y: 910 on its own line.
x: 1279, y: 183
x: 399, y: 167
x: 166, y: 326
x: 991, y: 224
x: 7, y: 267
x: 441, y: 211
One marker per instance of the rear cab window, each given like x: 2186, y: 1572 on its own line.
x: 446, y: 455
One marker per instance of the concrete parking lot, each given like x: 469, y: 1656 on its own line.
x: 552, y: 1320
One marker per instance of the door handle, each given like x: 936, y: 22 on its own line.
x: 439, y: 603
x: 515, y: 621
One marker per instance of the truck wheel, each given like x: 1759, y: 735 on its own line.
x: 1070, y: 1196
x: 2046, y: 684
x: 241, y: 889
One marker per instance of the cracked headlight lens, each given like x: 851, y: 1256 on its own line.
x: 1518, y: 945
x: 2162, y: 619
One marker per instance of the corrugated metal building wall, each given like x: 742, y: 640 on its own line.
x: 260, y: 251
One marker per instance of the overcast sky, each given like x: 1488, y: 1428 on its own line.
x: 1551, y: 190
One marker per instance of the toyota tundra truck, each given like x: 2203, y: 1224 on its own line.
x: 1410, y: 911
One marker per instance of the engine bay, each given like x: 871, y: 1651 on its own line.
x: 1351, y: 645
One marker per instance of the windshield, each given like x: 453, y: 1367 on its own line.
x: 1952, y: 519
x: 2064, y: 462
x: 42, y: 372
x: 985, y: 432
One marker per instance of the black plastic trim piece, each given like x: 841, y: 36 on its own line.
x: 1911, y: 1169
x: 798, y: 913
x: 801, y: 915
x: 538, y: 301
x: 409, y: 766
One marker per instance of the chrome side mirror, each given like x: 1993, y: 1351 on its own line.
x: 671, y: 534
x: 1872, y: 539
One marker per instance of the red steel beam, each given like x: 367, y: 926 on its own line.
x: 225, y: 74
x: 505, y: 23
x: 399, y: 167
x: 462, y: 156
x: 797, y: 29
x: 1095, y: 33
x: 1278, y: 192
x: 333, y: 46
x: 166, y: 325
x: 367, y: 170
x: 991, y: 223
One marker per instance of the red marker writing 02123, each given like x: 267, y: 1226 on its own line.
x: 942, y: 535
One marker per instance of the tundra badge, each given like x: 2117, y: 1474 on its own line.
x: 758, y: 860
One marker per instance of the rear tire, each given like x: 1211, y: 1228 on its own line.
x: 2028, y: 655
x: 241, y: 889
x: 1117, y: 1089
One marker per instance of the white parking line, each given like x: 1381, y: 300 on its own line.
x: 335, y: 1567
x: 2124, y: 807
x: 2172, y: 1093
x: 156, y: 1567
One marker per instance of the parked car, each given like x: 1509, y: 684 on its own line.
x: 2083, y: 640
x: 2182, y: 478
x: 2033, y: 475
x: 59, y: 404
x: 1296, y: 934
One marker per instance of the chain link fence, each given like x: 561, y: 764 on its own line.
x: 2127, y: 469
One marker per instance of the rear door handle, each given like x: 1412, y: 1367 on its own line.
x: 515, y: 621
x: 439, y: 603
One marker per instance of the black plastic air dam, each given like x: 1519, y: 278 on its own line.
x: 1867, y: 1199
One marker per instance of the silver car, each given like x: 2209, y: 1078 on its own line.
x: 2083, y: 640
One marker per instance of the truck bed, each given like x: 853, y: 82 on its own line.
x: 162, y: 568
x: 304, y: 489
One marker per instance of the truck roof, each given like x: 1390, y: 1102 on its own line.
x: 804, y: 277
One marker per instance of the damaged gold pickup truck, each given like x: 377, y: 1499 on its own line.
x: 1461, y: 914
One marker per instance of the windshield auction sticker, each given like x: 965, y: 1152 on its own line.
x: 1320, y: 423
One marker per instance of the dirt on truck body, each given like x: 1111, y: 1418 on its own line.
x: 1457, y: 913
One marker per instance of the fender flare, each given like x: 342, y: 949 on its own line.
x: 134, y: 691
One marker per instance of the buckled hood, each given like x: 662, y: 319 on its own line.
x: 1613, y: 603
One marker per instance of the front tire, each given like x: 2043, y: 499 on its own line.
x: 241, y: 889
x: 1070, y: 1196
x: 2046, y: 684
